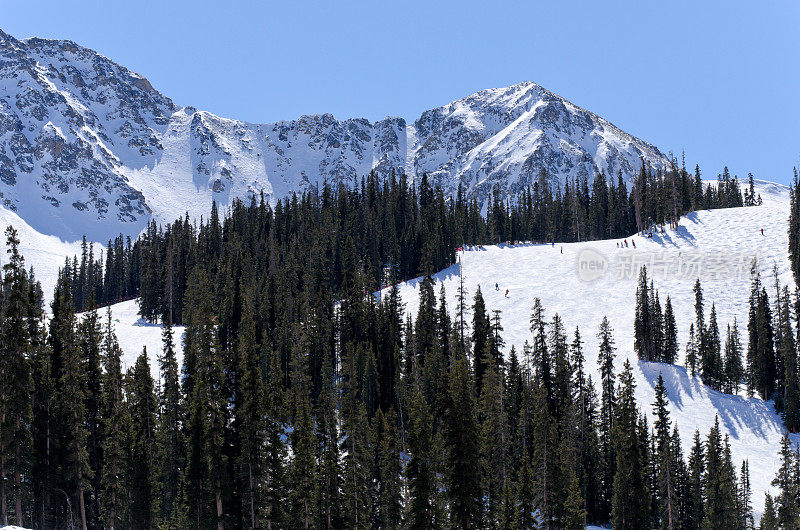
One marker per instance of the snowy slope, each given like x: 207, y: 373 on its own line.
x: 88, y: 147
x: 721, y: 242
x: 46, y: 254
x: 134, y: 334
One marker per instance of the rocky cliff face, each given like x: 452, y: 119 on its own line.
x: 89, y: 147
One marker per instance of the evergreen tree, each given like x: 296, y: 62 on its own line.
x: 695, y: 488
x: 699, y: 324
x: 539, y: 362
x: 790, y: 385
x: 169, y: 443
x: 656, y: 325
x: 114, y: 423
x: 710, y: 357
x: 140, y: 469
x: 71, y: 399
x: 494, y: 446
x: 544, y: 461
x: 665, y: 464
x: 274, y: 479
x: 642, y: 327
x: 630, y: 498
x: 356, y: 443
x: 425, y: 324
x: 605, y: 360
x: 734, y: 371
x: 303, y: 467
x: 462, y: 446
x: 794, y: 227
x: 419, y: 470
x: 787, y: 500
x: 761, y: 365
x: 769, y: 520
x: 389, y: 495
x: 691, y: 352
x: 16, y: 413
x: 720, y: 483
x: 746, y: 514
x: 670, y: 334
x: 207, y: 409
x: 329, y: 477
x: 526, y: 493
x: 89, y: 342
x: 575, y: 513
x: 249, y: 417
x: 481, y: 334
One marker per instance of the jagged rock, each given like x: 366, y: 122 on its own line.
x: 77, y: 128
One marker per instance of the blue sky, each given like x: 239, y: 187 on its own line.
x: 720, y: 80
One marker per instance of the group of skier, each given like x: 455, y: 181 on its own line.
x: 624, y: 243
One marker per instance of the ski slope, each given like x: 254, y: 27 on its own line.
x: 716, y: 246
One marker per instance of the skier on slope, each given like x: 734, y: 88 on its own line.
x: 762, y: 231
x: 633, y: 243
x: 506, y: 293
x: 496, y: 287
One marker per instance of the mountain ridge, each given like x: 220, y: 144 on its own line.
x: 90, y: 147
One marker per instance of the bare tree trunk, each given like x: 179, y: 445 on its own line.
x: 220, y: 526
x: 18, y: 477
x: 269, y: 504
x: 46, y: 504
x: 3, y: 504
x: 253, y: 522
x: 18, y: 504
x: 670, y: 516
x: 80, y: 474
x: 81, y: 502
x: 169, y: 279
x: 112, y: 517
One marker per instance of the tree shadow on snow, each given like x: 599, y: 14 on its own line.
x: 734, y: 412
x: 666, y: 239
x: 445, y: 274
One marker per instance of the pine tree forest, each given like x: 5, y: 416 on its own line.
x: 303, y: 401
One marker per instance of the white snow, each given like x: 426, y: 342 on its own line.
x: 722, y: 242
x: 134, y: 334
x: 45, y: 253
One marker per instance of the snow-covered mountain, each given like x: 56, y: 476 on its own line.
x: 89, y: 147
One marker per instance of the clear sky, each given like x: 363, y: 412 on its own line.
x: 717, y: 79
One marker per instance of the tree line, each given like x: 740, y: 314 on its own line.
x: 395, y: 230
